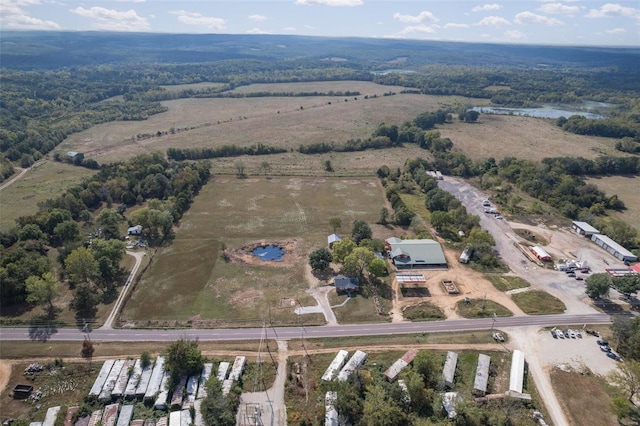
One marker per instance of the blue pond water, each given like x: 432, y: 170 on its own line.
x: 269, y: 253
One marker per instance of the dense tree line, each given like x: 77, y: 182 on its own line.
x: 608, y: 128
x: 180, y: 154
x: 91, y: 263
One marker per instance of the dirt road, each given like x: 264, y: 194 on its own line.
x: 108, y: 324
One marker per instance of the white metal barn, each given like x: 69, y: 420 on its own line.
x: 614, y: 249
x: 335, y: 366
x: 102, y: 377
x: 449, y: 370
x: 354, y: 363
x: 516, y: 379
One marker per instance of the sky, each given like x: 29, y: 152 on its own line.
x: 545, y: 22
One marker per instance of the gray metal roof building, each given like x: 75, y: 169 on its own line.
x: 449, y: 370
x: 482, y: 375
x: 416, y: 254
x: 615, y: 249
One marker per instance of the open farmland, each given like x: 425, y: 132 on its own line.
x: 189, y: 280
x: 286, y: 122
x: 46, y: 180
x: 628, y: 190
x: 501, y: 136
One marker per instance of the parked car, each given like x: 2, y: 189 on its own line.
x: 553, y: 333
x: 560, y: 334
x: 572, y: 333
x: 566, y: 334
x: 605, y: 348
x: 593, y: 332
x: 578, y: 334
x: 579, y: 278
x: 585, y: 271
x: 498, y: 216
x: 571, y: 274
x: 602, y: 342
x: 613, y: 356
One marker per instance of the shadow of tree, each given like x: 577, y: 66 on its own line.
x: 41, y: 328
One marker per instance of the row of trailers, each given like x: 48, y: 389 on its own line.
x: 341, y: 369
x: 127, y: 380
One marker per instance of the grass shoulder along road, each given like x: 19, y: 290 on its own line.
x: 479, y: 308
x: 537, y: 302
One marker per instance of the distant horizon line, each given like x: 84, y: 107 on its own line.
x: 133, y: 33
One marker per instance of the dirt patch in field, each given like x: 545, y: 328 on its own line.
x: 243, y: 254
x: 5, y: 373
x: 245, y: 298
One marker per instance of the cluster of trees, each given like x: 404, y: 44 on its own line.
x: 77, y: 160
x: 603, y: 165
x: 180, y: 154
x: 91, y: 266
x: 608, y: 128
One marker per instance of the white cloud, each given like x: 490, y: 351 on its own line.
x: 532, y: 18
x: 615, y: 31
x: 289, y: 29
x: 454, y: 25
x: 331, y: 2
x: 514, y: 35
x: 113, y: 20
x: 13, y: 16
x: 487, y: 7
x: 494, y: 21
x: 421, y: 17
x: 612, y: 10
x: 257, y: 18
x: 194, y: 18
x: 420, y: 29
x: 257, y: 31
x: 131, y: 1
x: 559, y: 9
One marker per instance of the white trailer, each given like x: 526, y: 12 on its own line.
x: 96, y: 418
x: 238, y: 366
x: 335, y: 366
x: 174, y: 418
x: 330, y: 413
x: 156, y: 379
x: 161, y: 401
x: 134, y: 379
x: 199, y: 419
x: 110, y: 415
x: 185, y: 417
x: 516, y: 379
x: 143, y: 383
x: 126, y: 413
x: 223, y: 368
x: 110, y: 383
x: 51, y: 416
x: 482, y: 375
x: 354, y: 363
x: 102, y: 377
x: 204, y: 377
x: 178, y: 392
x: 122, y: 380
x: 449, y: 370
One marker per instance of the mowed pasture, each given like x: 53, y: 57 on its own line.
x: 190, y: 281
x: 628, y: 190
x: 286, y: 122
x: 46, y: 180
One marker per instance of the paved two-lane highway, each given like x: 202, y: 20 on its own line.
x: 289, y: 333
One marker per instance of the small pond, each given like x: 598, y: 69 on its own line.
x: 543, y: 112
x: 269, y: 253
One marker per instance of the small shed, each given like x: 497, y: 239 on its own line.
x: 346, y: 284
x: 22, y: 391
x: 134, y: 230
x: 540, y: 253
x: 333, y: 238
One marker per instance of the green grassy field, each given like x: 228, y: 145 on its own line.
x: 424, y: 311
x: 190, y: 280
x: 478, y: 308
x: 47, y: 180
x: 628, y: 189
x: 507, y: 282
x: 536, y: 302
